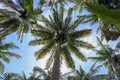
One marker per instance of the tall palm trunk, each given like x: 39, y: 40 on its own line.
x: 113, y: 69
x: 56, y: 65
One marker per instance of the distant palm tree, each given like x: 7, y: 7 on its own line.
x: 60, y: 38
x: 5, y: 54
x: 13, y: 76
x: 39, y: 74
x: 81, y: 74
x: 106, y: 55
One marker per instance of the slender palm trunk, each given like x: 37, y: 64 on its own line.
x: 56, y: 65
x: 115, y: 72
x: 113, y: 69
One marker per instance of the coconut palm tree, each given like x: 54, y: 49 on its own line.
x: 106, y: 55
x: 13, y: 76
x: 17, y: 17
x: 81, y: 74
x: 5, y: 54
x: 60, y: 38
x: 39, y: 74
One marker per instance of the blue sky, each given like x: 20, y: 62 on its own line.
x: 27, y: 62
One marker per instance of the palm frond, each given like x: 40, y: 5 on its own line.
x: 76, y: 51
x: 69, y: 17
x: 41, y: 27
x: 39, y: 42
x: 49, y: 23
x: 81, y: 72
x: 10, y: 4
x: 4, y: 58
x: 92, y: 18
x: 42, y: 34
x: 1, y: 67
x: 61, y: 12
x: 93, y: 70
x: 8, y: 46
x: 50, y: 60
x: 98, y: 59
x: 83, y: 44
x: 56, y: 19
x: 100, y: 43
x: 67, y: 57
x: 75, y: 24
x: 102, y: 52
x: 43, y: 51
x: 11, y: 54
x: 81, y: 33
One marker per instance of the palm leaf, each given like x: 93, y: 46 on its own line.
x: 11, y: 54
x: 29, y: 6
x: 61, y: 12
x: 93, y: 70
x: 112, y: 17
x: 10, y: 4
x: 1, y: 67
x: 50, y: 60
x: 42, y: 34
x: 100, y: 43
x: 4, y: 58
x: 8, y: 46
x: 67, y: 57
x: 56, y: 19
x: 75, y: 24
x: 49, y: 23
x: 76, y: 51
x: 39, y: 42
x: 98, y: 59
x: 81, y: 72
x: 43, y: 51
x: 81, y: 33
x: 84, y: 44
x: 69, y: 17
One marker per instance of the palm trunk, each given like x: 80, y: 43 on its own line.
x: 115, y: 72
x: 56, y: 65
x: 113, y: 69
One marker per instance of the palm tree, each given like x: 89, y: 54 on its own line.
x: 60, y: 38
x: 81, y: 74
x: 39, y: 74
x: 106, y: 55
x: 5, y: 55
x: 13, y: 76
x: 17, y: 17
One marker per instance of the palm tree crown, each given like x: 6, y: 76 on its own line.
x: 106, y: 55
x: 15, y: 17
x: 59, y: 35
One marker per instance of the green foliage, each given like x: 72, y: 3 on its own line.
x: 106, y: 15
x: 82, y: 74
x: 29, y: 6
x: 5, y: 54
x: 1, y: 67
